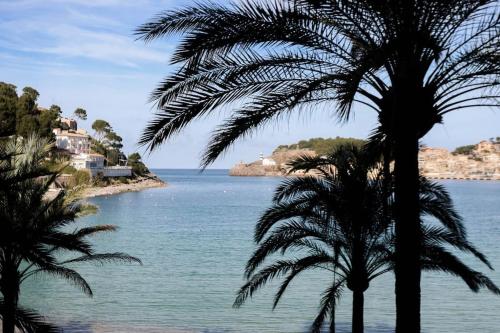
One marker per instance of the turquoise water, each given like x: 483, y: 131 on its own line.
x: 194, y: 238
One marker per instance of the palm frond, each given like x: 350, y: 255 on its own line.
x: 68, y: 274
x: 103, y: 258
x: 259, y: 279
x: 328, y: 303
x: 442, y: 260
x: 29, y: 321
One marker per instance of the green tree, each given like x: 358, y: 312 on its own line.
x: 27, y: 125
x: 113, y: 144
x: 113, y: 157
x: 412, y: 61
x: 80, y: 114
x: 34, y: 230
x: 134, y: 160
x: 113, y: 140
x: 464, y: 150
x: 101, y: 128
x: 48, y: 120
x: 8, y: 109
x: 26, y: 117
x: 97, y: 147
x: 335, y: 223
x: 55, y: 109
x: 32, y: 93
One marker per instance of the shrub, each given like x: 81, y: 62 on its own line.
x: 464, y: 150
x: 81, y: 177
x: 320, y: 145
x: 69, y: 170
x: 123, y: 180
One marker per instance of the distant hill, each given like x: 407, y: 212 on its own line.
x: 320, y: 146
x: 478, y: 161
x: 276, y: 164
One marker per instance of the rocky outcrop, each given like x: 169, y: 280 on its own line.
x: 482, y: 163
x: 254, y: 169
x: 272, y: 166
x: 138, y: 184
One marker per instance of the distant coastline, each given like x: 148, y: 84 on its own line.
x: 474, y: 162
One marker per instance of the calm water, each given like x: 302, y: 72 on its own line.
x: 194, y: 238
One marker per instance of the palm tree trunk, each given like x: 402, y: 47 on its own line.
x: 357, y: 311
x: 387, y: 181
x: 408, y: 234
x: 10, y: 290
x: 9, y: 314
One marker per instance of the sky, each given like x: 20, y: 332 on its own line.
x: 82, y: 53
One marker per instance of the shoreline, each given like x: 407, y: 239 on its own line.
x: 260, y: 171
x: 431, y: 178
x: 135, y: 185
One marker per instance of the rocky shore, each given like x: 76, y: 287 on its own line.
x: 137, y: 184
x: 255, y: 170
x: 271, y: 166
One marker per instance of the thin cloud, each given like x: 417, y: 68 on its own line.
x: 73, y: 41
x: 23, y: 4
x: 117, y: 49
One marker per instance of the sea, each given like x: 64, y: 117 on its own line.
x: 194, y: 238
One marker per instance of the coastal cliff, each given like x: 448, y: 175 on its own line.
x: 476, y: 162
x: 272, y: 166
x: 473, y: 162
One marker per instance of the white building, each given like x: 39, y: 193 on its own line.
x: 117, y: 171
x: 87, y: 161
x: 268, y: 162
x: 75, y: 142
x: 94, y: 163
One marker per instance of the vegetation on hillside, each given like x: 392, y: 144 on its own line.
x: 80, y: 113
x: 21, y: 115
x: 107, y: 143
x: 468, y: 149
x: 138, y: 167
x: 320, y: 145
x: 464, y: 150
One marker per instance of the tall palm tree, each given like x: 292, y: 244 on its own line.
x: 34, y: 232
x: 413, y: 61
x: 335, y: 221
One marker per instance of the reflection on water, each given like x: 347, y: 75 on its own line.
x: 194, y: 238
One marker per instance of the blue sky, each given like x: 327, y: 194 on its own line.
x: 82, y: 53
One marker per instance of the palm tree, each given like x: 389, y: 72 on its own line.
x: 335, y: 221
x: 34, y: 231
x: 413, y: 61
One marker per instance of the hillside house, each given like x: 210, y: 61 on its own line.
x: 87, y: 161
x: 75, y: 142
